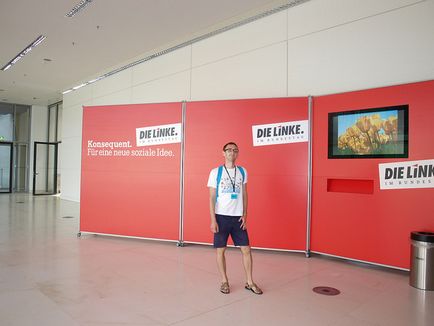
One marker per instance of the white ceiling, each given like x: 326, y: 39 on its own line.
x: 105, y: 34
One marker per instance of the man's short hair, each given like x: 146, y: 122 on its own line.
x: 230, y: 143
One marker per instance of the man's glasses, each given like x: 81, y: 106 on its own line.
x: 234, y: 150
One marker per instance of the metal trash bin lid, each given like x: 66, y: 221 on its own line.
x: 423, y: 236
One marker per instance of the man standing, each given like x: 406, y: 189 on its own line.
x: 228, y: 208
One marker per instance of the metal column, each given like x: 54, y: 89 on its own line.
x: 181, y: 179
x: 309, y: 176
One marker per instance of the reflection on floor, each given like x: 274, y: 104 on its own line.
x: 48, y: 276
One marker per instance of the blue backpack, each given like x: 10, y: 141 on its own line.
x: 219, y: 177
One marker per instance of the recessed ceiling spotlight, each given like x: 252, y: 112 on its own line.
x: 35, y: 98
x: 29, y: 48
x: 47, y: 60
x: 78, y: 7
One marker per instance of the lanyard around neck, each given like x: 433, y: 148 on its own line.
x: 230, y: 179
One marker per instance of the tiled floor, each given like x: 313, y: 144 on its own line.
x: 48, y: 276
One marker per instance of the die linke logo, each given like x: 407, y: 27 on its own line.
x: 405, y: 175
x: 280, y: 133
x: 157, y: 135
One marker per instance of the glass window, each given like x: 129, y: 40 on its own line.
x: 6, y: 122
x: 52, y: 123
x: 14, y: 133
x: 22, y: 118
x: 54, y: 119
x: 59, y: 121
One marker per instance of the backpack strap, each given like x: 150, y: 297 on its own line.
x: 219, y: 177
x: 242, y: 172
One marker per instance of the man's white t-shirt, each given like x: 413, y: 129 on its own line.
x: 229, y: 202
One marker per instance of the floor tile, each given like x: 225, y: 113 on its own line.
x: 57, y: 278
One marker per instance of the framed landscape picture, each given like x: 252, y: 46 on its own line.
x: 369, y: 133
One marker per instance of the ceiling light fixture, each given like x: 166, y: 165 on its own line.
x: 78, y: 7
x: 79, y: 86
x: 288, y: 5
x: 29, y: 48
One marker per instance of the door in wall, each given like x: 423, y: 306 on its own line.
x: 5, y: 167
x: 45, y: 168
x: 20, y: 164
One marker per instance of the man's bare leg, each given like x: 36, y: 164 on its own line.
x: 247, y: 263
x: 248, y: 267
x: 221, y: 263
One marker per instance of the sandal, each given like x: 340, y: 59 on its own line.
x: 254, y: 288
x: 224, y: 288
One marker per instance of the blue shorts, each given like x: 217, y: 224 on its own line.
x: 230, y: 225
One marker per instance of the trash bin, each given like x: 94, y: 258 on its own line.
x: 422, y: 260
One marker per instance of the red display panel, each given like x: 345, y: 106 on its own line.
x: 130, y: 185
x: 277, y: 174
x: 361, y: 223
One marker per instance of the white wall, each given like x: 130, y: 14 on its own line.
x: 336, y: 45
x: 319, y: 47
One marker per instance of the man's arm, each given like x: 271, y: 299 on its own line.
x: 212, y: 196
x: 243, y: 218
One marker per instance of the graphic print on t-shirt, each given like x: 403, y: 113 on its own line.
x: 226, y: 184
x: 228, y: 202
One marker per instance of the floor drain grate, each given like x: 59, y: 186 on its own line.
x: 325, y: 290
x: 67, y: 216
